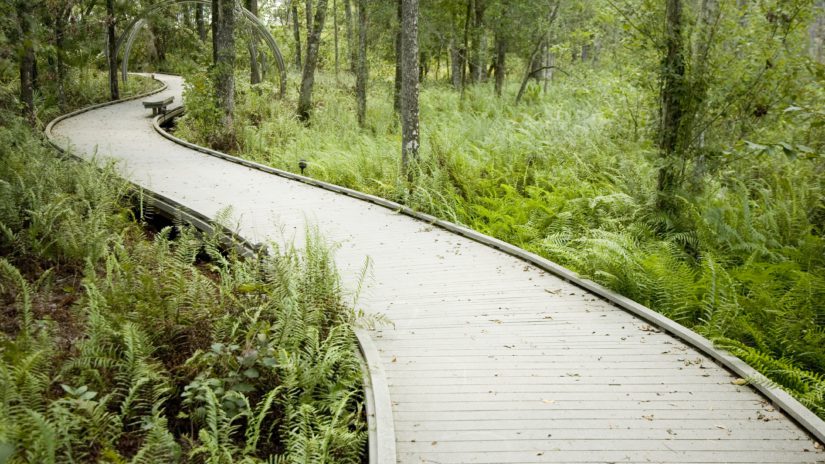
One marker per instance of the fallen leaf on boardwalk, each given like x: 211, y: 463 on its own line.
x: 739, y: 382
x: 721, y: 427
x: 548, y: 401
x: 650, y: 417
x: 434, y: 443
x: 554, y: 292
x: 394, y: 359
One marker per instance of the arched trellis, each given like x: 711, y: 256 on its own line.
x: 132, y: 29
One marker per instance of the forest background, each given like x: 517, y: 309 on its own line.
x: 671, y: 150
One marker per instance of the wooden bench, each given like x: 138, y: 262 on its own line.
x: 158, y: 106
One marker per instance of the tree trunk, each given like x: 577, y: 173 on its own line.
x: 456, y: 65
x: 223, y: 27
x: 410, y: 137
x: 351, y: 46
x: 254, y: 69
x: 112, y: 50
x: 308, y: 11
x: 501, y: 63
x: 335, y: 33
x: 27, y: 58
x: 396, y: 98
x: 361, y: 68
x: 308, y: 76
x: 545, y: 65
x: 60, y: 50
x: 672, y: 110
x: 534, y: 56
x: 159, y: 41
x: 296, y: 31
x: 466, y: 59
x: 214, y: 26
x: 199, y: 22
x: 479, y: 43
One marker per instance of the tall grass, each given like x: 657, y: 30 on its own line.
x: 570, y: 174
x: 118, y: 346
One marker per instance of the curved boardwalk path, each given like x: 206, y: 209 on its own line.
x: 490, y: 359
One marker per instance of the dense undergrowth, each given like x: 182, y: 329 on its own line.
x: 570, y: 175
x: 117, y: 346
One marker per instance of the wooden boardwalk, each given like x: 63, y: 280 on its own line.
x: 490, y: 359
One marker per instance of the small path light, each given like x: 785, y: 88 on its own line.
x: 303, y: 165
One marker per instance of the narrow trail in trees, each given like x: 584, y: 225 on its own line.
x: 490, y: 359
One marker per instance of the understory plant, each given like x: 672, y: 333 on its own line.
x: 122, y: 346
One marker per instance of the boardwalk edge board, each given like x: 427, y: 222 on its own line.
x: 379, y: 406
x: 175, y: 210
x: 778, y: 397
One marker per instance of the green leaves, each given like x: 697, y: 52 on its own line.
x: 81, y: 393
x: 150, y: 353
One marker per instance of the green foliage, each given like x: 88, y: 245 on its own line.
x: 163, y: 350
x: 570, y: 175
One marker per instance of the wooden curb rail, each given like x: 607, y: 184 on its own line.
x: 778, y: 397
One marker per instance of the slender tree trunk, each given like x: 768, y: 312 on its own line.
x: 216, y: 4
x: 308, y: 12
x: 479, y: 43
x: 501, y: 64
x: 466, y: 47
x: 27, y: 58
x: 112, y: 50
x: 335, y: 27
x: 223, y: 27
x: 423, y: 66
x: 254, y: 68
x: 527, y: 74
x: 308, y: 76
x: 200, y: 22
x: 456, y: 65
x: 351, y: 46
x: 361, y: 75
x: 465, y: 51
x: 545, y: 63
x: 60, y: 50
x: 35, y: 73
x: 296, y: 31
x: 410, y: 137
x: 159, y: 41
x: 396, y: 99
x: 535, y: 55
x: 672, y: 101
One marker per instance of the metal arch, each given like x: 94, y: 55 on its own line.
x: 131, y: 36
x: 130, y: 33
